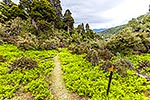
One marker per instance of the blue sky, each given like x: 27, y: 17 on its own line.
x: 104, y: 13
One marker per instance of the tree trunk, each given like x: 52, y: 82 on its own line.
x: 34, y: 23
x: 68, y: 29
x: 18, y: 28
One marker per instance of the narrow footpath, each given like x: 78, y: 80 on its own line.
x: 58, y: 87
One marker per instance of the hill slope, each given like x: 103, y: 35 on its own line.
x: 109, y: 32
x: 139, y: 24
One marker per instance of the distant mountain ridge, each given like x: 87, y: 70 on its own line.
x: 99, y: 30
x: 109, y: 32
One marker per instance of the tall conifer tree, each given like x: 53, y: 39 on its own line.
x: 69, y: 21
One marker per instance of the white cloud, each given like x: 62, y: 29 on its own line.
x: 16, y: 1
x: 89, y: 11
x: 105, y: 13
x: 127, y: 10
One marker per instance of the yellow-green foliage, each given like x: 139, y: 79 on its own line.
x: 136, y: 59
x: 87, y: 80
x: 23, y: 81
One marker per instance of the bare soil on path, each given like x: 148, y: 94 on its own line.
x: 58, y: 87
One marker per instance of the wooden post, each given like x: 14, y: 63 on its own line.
x: 110, y: 78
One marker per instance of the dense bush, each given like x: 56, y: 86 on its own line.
x: 106, y: 65
x: 122, y: 65
x: 1, y: 41
x: 48, y: 44
x: 94, y: 50
x: 26, y: 46
x: 145, y: 40
x: 92, y: 56
x: 105, y: 54
x: 2, y: 58
x: 23, y: 63
x: 81, y: 48
x: 127, y: 42
x: 140, y: 24
x: 144, y: 64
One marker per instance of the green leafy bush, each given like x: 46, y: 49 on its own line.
x: 23, y: 63
x: 140, y: 24
x: 144, y: 64
x: 49, y: 44
x: 93, y: 57
x: 127, y: 42
x: 2, y: 58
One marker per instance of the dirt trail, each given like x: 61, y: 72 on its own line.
x: 58, y: 87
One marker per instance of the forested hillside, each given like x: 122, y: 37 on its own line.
x: 40, y: 25
x: 134, y: 38
x: 44, y: 57
x: 139, y: 24
x: 111, y: 31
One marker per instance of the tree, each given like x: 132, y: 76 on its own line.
x: 69, y: 21
x: 39, y: 9
x: 88, y: 30
x: 17, y: 12
x: 26, y: 5
x: 57, y: 7
x: 11, y: 10
x: 59, y: 17
x: 41, y: 12
x: 80, y: 29
x: 83, y: 30
x: 87, y: 27
x: 5, y: 15
x: 8, y: 2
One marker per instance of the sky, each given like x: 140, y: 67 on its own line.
x: 104, y: 13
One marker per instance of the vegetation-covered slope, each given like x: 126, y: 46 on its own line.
x: 17, y: 81
x: 135, y: 38
x: 139, y: 24
x: 87, y: 80
x: 111, y: 31
x: 80, y: 76
x: 127, y: 42
x: 39, y: 25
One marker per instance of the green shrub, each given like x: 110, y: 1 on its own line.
x: 127, y: 42
x: 144, y: 64
x: 105, y: 54
x: 93, y: 57
x: 2, y: 58
x: 23, y: 63
x: 48, y: 44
